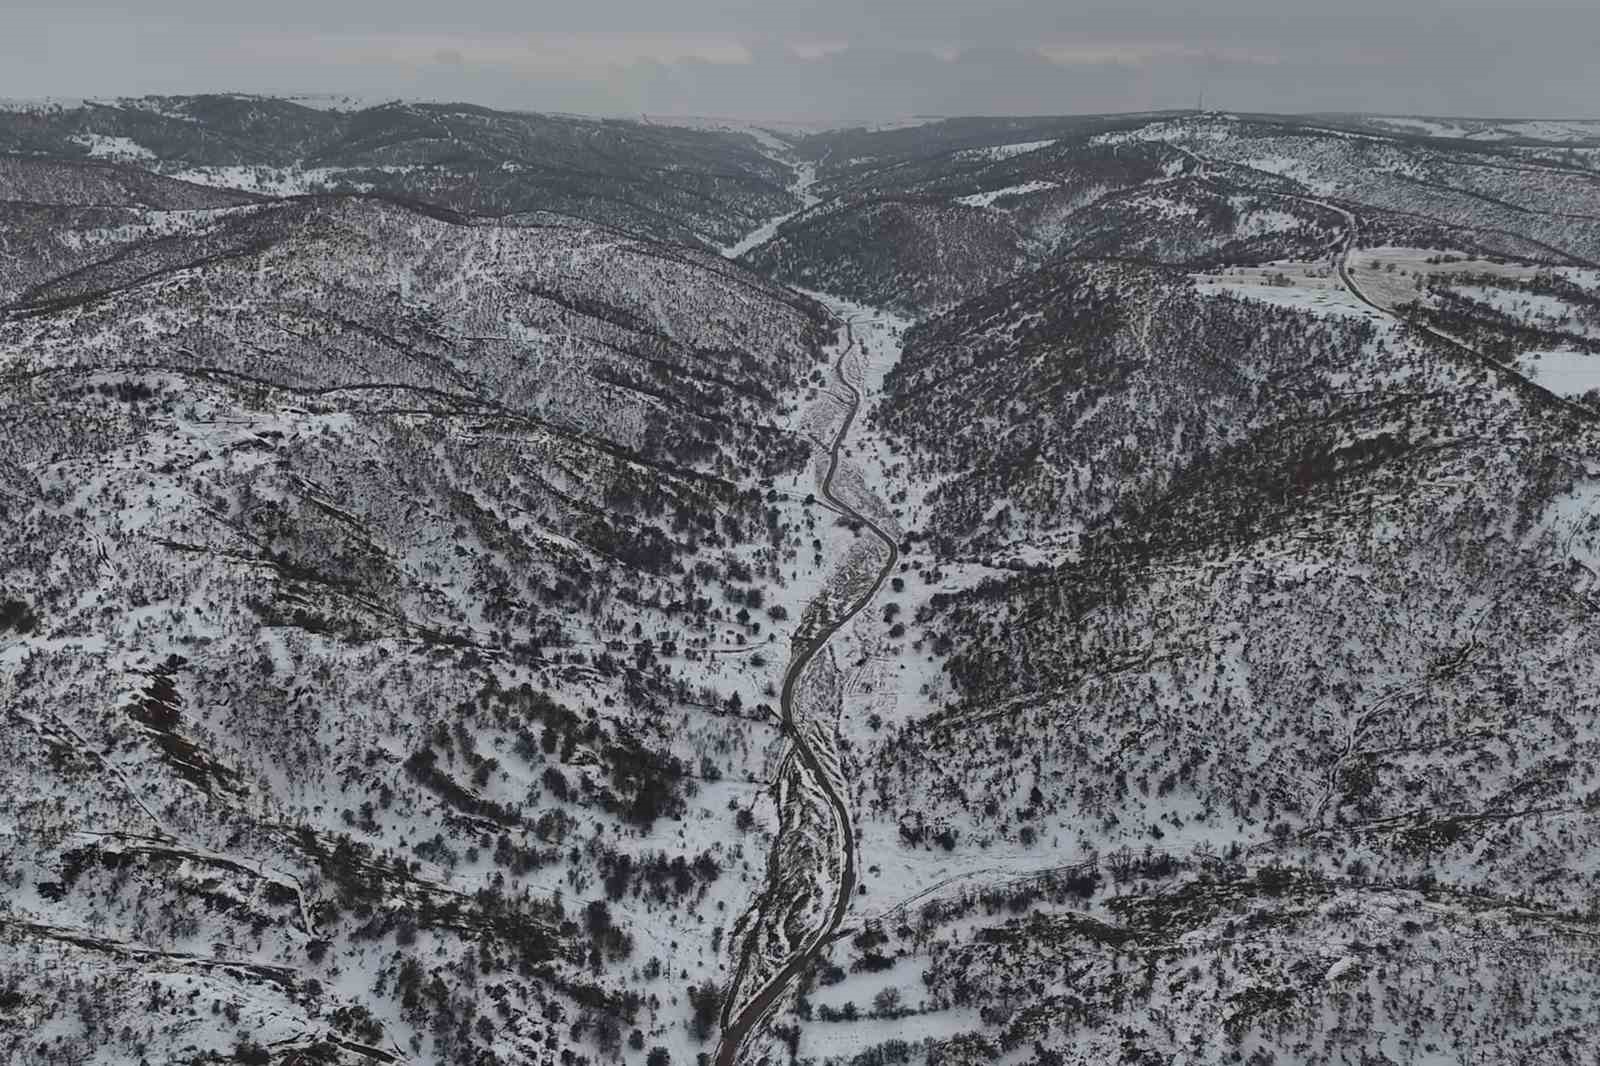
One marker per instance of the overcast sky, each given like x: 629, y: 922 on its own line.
x: 825, y: 59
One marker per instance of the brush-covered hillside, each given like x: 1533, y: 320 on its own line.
x: 385, y: 626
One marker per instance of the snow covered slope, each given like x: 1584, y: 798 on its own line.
x: 1051, y: 590
x: 385, y: 636
x: 923, y: 218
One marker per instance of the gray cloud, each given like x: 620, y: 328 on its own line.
x: 830, y: 58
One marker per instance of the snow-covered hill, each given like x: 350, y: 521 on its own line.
x: 703, y: 186
x: 921, y: 219
x: 1239, y: 678
x: 386, y: 634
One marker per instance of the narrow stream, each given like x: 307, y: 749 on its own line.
x: 740, y: 1021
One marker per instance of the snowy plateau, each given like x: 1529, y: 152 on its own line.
x: 495, y: 588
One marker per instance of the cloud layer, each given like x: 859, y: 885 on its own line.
x: 832, y: 58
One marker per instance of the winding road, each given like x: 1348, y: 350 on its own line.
x: 739, y: 1021
x: 1345, y: 247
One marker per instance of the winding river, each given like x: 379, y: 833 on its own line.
x: 741, y: 1020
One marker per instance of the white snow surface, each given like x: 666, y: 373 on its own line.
x: 1312, y: 287
x: 1558, y: 130
x: 337, y: 101
x: 1569, y: 374
x: 103, y: 147
x: 986, y: 199
x: 998, y: 152
x: 277, y: 181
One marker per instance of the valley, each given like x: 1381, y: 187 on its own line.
x: 482, y: 587
x: 814, y: 776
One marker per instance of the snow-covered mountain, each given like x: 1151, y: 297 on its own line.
x: 1051, y: 590
x: 921, y: 219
